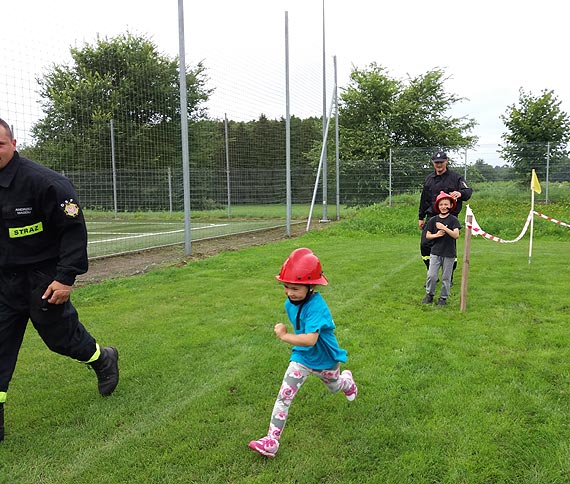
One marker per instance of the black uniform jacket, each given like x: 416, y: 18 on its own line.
x: 449, y: 181
x: 41, y: 221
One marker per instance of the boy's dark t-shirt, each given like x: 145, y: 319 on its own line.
x: 443, y: 246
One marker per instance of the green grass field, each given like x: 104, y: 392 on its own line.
x: 120, y: 237
x: 445, y: 396
x: 136, y: 231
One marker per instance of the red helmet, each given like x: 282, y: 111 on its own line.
x: 302, y: 267
x: 440, y: 197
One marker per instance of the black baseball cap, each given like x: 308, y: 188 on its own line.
x: 439, y: 156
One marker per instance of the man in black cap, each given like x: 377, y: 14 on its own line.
x: 440, y: 180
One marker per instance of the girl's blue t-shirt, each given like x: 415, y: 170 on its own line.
x: 315, y: 318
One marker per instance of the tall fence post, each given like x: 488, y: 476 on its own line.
x: 547, y: 169
x: 169, y: 175
x: 288, y: 202
x: 390, y: 178
x: 114, y: 168
x: 336, y: 141
x: 323, y: 154
x: 325, y: 127
x: 184, y: 129
x: 465, y: 266
x: 227, y: 144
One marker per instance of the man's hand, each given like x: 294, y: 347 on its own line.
x: 421, y: 224
x: 455, y: 195
x: 57, y: 293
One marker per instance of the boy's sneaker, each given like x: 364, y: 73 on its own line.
x: 441, y: 301
x: 428, y: 299
x: 352, y: 391
x: 265, y: 446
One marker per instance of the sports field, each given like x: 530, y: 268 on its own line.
x: 135, y: 231
x: 118, y: 237
x: 445, y: 396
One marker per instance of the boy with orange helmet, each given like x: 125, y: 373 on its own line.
x: 443, y: 230
x: 315, y: 347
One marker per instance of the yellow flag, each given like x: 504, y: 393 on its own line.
x: 534, y: 183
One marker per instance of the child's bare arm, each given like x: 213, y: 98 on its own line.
x: 454, y: 233
x: 445, y: 230
x: 308, y: 339
x: 430, y: 235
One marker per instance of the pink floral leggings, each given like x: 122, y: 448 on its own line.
x: 294, y: 378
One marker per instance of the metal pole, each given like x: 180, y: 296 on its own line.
x: 114, y: 168
x: 531, y: 219
x: 336, y: 141
x: 226, y: 135
x: 287, y: 131
x: 547, y: 169
x: 390, y: 178
x: 465, y: 266
x: 169, y: 190
x: 325, y: 124
x: 319, y: 169
x: 184, y: 129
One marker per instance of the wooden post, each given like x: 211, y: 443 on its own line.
x: 465, y: 265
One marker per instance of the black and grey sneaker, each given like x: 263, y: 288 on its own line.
x: 107, y: 370
x: 428, y: 299
x: 441, y: 301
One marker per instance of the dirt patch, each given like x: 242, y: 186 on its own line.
x: 148, y: 260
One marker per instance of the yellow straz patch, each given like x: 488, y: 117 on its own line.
x: 25, y: 231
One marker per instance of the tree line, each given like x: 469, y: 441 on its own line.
x: 117, y: 104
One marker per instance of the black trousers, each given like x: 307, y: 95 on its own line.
x: 58, y: 325
x: 425, y: 246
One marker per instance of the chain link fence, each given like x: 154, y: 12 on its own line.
x: 108, y: 120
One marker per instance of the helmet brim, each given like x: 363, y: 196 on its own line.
x: 321, y: 281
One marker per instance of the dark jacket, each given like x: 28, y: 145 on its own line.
x: 449, y: 181
x: 41, y: 221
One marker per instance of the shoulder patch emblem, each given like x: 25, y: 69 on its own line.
x: 70, y: 208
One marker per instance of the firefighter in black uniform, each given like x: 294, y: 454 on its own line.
x: 43, y: 247
x: 442, y: 179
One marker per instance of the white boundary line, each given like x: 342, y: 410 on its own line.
x: 147, y: 234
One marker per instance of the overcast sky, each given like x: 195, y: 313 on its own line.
x: 488, y: 48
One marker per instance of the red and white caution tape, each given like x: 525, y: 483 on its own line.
x: 558, y: 222
x: 476, y: 230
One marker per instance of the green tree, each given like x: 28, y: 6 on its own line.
x: 483, y: 172
x: 381, y: 115
x: 504, y: 173
x: 561, y: 171
x: 480, y: 171
x: 124, y: 79
x: 487, y: 172
x: 257, y: 158
x: 378, y: 112
x: 537, y: 128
